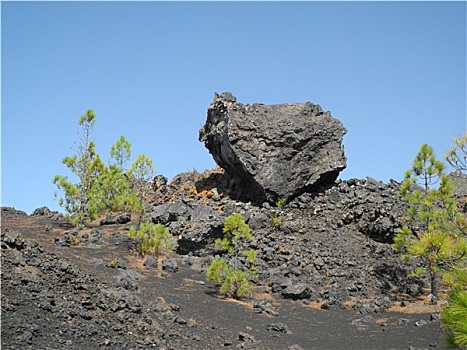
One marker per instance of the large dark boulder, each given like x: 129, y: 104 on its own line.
x: 273, y: 151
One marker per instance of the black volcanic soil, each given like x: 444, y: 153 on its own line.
x: 67, y: 297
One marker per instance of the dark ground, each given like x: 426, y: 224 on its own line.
x: 195, y: 317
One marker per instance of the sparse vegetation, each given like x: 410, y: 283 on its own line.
x: 72, y: 240
x: 436, y: 232
x: 233, y: 281
x: 454, y: 315
x: 140, y: 175
x: 114, y: 262
x: 457, y: 155
x: 102, y: 188
x: 152, y: 239
x: 87, y: 165
x: 281, y: 202
x: 276, y: 221
x: 436, y: 228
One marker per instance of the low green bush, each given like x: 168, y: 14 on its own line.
x: 153, y: 239
x: 233, y: 281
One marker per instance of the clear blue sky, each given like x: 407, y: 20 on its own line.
x: 393, y: 72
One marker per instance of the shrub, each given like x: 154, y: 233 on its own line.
x: 235, y: 229
x: 152, y: 239
x: 276, y: 221
x: 114, y: 262
x: 281, y: 202
x: 218, y: 270
x: 72, y: 240
x: 237, y: 284
x: 233, y: 281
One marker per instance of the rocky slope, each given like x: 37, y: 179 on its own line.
x: 57, y: 296
x: 333, y: 247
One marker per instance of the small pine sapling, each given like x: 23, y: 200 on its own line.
x: 281, y: 202
x: 233, y: 281
x: 152, y: 239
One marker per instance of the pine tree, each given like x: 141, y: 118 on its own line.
x: 87, y: 166
x: 232, y: 280
x: 457, y: 155
x: 454, y: 314
x: 120, y: 153
x: 103, y: 188
x: 434, y: 231
x: 115, y: 190
x: 140, y: 175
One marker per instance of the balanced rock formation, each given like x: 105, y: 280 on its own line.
x: 273, y: 151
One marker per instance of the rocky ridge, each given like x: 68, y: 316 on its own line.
x: 331, y: 247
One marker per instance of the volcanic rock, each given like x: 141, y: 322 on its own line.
x: 273, y: 151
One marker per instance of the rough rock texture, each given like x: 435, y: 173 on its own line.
x: 331, y: 247
x: 66, y: 308
x: 273, y: 151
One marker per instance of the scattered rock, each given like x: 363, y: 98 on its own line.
x: 278, y: 327
x: 296, y: 292
x: 170, y: 266
x: 111, y: 219
x: 421, y: 323
x: 295, y: 347
x: 127, y: 280
x: 54, y: 293
x: 151, y: 263
x: 368, y: 319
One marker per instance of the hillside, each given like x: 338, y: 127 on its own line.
x: 323, y: 281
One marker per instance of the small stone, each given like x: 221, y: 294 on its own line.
x: 170, y: 266
x: 174, y: 307
x: 245, y: 336
x: 402, y: 321
x: 270, y: 311
x: 151, y: 262
x: 295, y: 347
x: 278, y: 327
x: 420, y: 323
x: 121, y: 263
x: 364, y: 320
x: 191, y: 323
x: 405, y: 303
